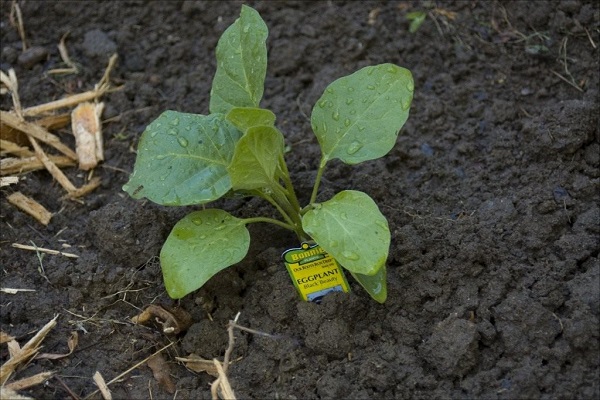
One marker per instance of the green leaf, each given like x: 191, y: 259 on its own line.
x: 375, y: 285
x: 416, y: 20
x: 200, y: 245
x: 245, y: 118
x: 351, y: 228
x: 182, y: 159
x: 358, y: 117
x: 256, y: 159
x: 241, y: 64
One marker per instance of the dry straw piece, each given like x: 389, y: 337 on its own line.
x: 31, y: 207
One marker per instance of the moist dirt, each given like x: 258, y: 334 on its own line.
x: 492, y: 197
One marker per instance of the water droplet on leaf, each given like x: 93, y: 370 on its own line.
x: 335, y: 116
x: 153, y: 133
x: 350, y: 255
x: 322, y: 103
x: 197, y: 221
x: 347, y: 122
x: 183, y: 141
x: 349, y: 101
x: 370, y: 87
x: 410, y: 86
x: 405, y: 104
x: 354, y: 147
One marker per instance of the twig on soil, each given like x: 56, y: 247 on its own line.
x: 43, y: 250
x: 563, y: 55
x: 222, y: 382
x: 64, y: 54
x: 566, y: 80
x: 14, y: 290
x: 121, y: 375
x: 67, y: 388
x: 15, y: 11
x: 31, y: 207
x: 29, y: 381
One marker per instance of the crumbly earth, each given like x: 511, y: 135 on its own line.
x: 492, y: 196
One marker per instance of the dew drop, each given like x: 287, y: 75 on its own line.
x: 153, y: 133
x: 347, y: 122
x: 361, y: 128
x: 161, y: 156
x: 392, y: 70
x: 410, y: 86
x: 329, y: 90
x: 370, y: 87
x: 350, y: 89
x: 335, y: 116
x: 322, y: 103
x: 172, y: 132
x: 352, y: 112
x: 202, y: 237
x: 197, y: 221
x: 344, y: 216
x: 350, y: 255
x: 352, y: 149
x: 182, y: 141
x: 370, y: 71
x: 324, y: 127
x: 175, y: 121
x: 349, y: 101
x: 405, y: 104
x: 246, y: 28
x: 220, y: 228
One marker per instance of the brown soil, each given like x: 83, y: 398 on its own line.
x: 492, y: 194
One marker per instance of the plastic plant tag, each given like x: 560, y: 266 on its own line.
x: 314, y: 272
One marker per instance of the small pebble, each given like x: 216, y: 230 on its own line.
x: 32, y: 56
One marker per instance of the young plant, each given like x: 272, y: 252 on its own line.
x: 190, y: 159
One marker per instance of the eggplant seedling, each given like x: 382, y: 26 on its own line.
x: 191, y: 159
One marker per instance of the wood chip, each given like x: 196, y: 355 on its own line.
x: 87, y: 129
x: 99, y: 380
x: 29, y: 381
x: 31, y: 207
x: 8, y: 180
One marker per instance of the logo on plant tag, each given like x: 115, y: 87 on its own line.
x: 314, y: 272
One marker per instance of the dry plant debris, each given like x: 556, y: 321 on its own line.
x: 172, y: 320
x: 162, y: 373
x: 20, y: 357
x: 20, y: 138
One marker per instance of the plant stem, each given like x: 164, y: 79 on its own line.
x: 271, y: 221
x: 291, y: 193
x: 315, y: 191
x: 283, y: 213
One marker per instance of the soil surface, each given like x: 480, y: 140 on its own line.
x: 492, y: 196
